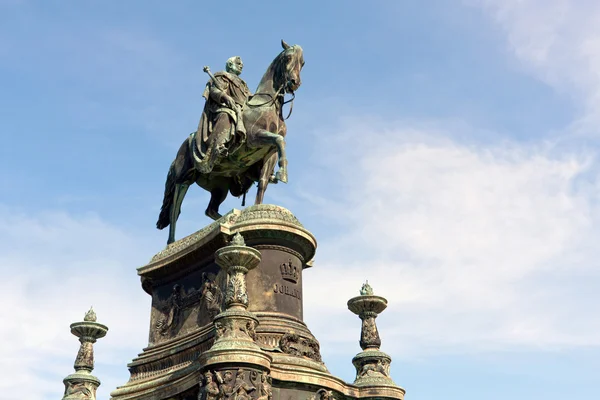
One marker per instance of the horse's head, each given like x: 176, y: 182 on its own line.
x: 290, y: 63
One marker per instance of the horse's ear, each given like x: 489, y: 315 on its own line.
x: 284, y: 45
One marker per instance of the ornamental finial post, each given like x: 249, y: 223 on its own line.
x: 235, y: 328
x: 372, y: 365
x: 82, y: 384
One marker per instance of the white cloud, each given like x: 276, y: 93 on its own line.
x: 476, y: 247
x: 55, y: 266
x: 559, y: 42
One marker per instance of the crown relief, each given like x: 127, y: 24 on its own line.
x: 289, y: 272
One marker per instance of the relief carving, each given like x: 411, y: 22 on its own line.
x: 322, y: 394
x: 79, y: 390
x: 170, y: 319
x: 85, y: 356
x: 289, y: 272
x: 169, y: 322
x: 236, y: 289
x: 210, y: 389
x: 265, y: 390
x: 237, y: 384
x: 295, y: 345
x: 235, y: 329
x: 211, y: 295
x: 377, y: 368
x: 369, y: 336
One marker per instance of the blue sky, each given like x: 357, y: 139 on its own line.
x: 446, y: 151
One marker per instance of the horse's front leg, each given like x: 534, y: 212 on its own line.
x: 266, y: 177
x: 264, y: 137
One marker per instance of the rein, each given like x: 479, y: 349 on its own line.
x: 274, y: 98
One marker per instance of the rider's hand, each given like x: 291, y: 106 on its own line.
x: 230, y: 102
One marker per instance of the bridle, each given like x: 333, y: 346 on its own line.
x: 279, y: 93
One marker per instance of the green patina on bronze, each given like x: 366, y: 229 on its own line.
x: 239, y: 139
x: 82, y: 384
x: 227, y: 319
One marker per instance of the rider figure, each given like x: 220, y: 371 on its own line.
x: 221, y: 120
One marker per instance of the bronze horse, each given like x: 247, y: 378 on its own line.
x: 254, y: 161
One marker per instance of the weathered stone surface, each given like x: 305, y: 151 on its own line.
x: 82, y: 384
x: 196, y: 331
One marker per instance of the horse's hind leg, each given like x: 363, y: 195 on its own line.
x: 180, y: 191
x: 266, y: 176
x: 217, y: 196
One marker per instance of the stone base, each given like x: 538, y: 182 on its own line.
x: 80, y: 385
x: 187, y: 289
x: 372, y: 369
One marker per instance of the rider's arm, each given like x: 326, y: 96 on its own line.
x: 220, y: 95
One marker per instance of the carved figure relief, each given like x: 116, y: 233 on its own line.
x: 79, y: 390
x: 171, y: 319
x: 210, y: 389
x: 265, y: 390
x: 240, y: 384
x: 226, y: 384
x: 322, y: 394
x: 378, y: 368
x: 171, y: 316
x: 295, y: 345
x: 242, y: 388
x: 235, y: 329
x: 211, y: 295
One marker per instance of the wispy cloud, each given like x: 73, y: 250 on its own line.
x: 56, y: 266
x: 558, y: 42
x: 477, y: 247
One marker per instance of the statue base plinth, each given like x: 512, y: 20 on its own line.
x: 193, y: 339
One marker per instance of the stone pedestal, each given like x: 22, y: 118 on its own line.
x: 227, y: 317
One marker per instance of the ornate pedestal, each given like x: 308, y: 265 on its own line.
x: 227, y: 318
x: 82, y: 384
x: 372, y: 366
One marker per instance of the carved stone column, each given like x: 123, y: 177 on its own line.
x: 372, y: 366
x: 235, y: 327
x: 82, y: 384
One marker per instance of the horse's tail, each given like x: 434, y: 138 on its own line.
x: 164, y: 218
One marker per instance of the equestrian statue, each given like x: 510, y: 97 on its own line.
x: 239, y: 139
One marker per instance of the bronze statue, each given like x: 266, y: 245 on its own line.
x: 226, y: 95
x: 239, y: 139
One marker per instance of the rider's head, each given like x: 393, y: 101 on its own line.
x: 234, y: 65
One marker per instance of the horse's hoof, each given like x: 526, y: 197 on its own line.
x: 281, y: 176
x: 212, y: 214
x: 273, y: 179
